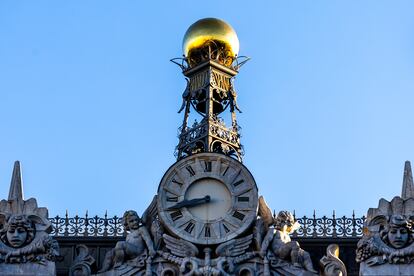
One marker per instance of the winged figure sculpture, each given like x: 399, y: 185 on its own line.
x: 180, y: 247
x: 235, y: 247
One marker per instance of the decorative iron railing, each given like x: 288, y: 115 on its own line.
x: 310, y: 227
x: 330, y: 227
x: 192, y: 133
x: 219, y: 129
x: 87, y: 226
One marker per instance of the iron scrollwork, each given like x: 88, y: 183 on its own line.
x: 310, y: 227
x: 87, y: 226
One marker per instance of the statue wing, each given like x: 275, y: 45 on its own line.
x: 235, y: 247
x: 259, y: 231
x: 180, y: 247
x: 149, y: 219
x: 264, y: 212
x: 156, y: 231
x: 150, y: 212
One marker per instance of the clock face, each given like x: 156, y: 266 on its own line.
x: 207, y: 198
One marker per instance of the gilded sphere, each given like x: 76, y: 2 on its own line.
x: 210, y: 29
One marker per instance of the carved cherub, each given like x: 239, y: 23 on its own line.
x: 137, y: 241
x: 277, y: 239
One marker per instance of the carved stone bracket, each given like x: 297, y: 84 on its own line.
x: 83, y: 262
x: 330, y: 264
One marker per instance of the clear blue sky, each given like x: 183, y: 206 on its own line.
x: 89, y: 99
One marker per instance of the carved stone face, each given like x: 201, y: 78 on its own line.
x: 18, y: 231
x: 285, y: 222
x: 398, y: 236
x: 287, y: 226
x: 133, y: 222
x: 16, y: 236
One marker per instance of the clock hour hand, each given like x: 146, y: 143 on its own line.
x: 191, y: 202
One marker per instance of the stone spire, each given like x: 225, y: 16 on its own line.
x: 15, y: 198
x: 16, y: 188
x: 408, y: 185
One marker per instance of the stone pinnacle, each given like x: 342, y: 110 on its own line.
x: 408, y: 185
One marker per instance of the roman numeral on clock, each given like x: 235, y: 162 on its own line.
x: 237, y: 183
x: 234, y: 182
x: 226, y: 229
x: 172, y: 198
x: 225, y: 171
x: 189, y: 228
x: 207, y: 231
x: 243, y: 199
x: 190, y: 170
x: 238, y: 215
x: 176, y: 215
x: 177, y: 182
x: 207, y: 166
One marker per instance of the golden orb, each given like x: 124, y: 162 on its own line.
x: 210, y: 29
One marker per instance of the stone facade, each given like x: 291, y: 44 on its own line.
x: 26, y: 248
x: 387, y: 247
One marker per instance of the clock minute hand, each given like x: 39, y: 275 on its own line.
x: 191, y: 202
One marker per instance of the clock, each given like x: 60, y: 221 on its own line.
x: 207, y: 198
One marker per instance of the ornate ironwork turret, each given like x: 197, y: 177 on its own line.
x: 210, y: 64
